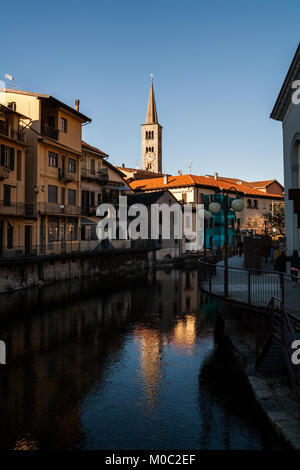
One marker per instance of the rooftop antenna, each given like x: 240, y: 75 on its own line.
x: 180, y: 172
x: 190, y: 166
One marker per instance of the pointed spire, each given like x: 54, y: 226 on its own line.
x: 151, y: 111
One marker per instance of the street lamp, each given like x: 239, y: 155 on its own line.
x: 236, y: 205
x: 207, y: 216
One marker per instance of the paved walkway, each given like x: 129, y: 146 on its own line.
x: 262, y: 286
x: 271, y: 390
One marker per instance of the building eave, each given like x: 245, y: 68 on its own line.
x: 284, y: 97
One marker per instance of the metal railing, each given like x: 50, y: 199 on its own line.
x: 66, y: 175
x: 247, y: 286
x: 278, y: 327
x: 58, y: 209
x: 100, y: 175
x: 4, y: 172
x: 10, y: 208
x: 65, y: 247
x: 50, y: 132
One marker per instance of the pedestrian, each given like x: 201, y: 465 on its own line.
x: 295, y: 266
x: 280, y: 266
x: 240, y: 246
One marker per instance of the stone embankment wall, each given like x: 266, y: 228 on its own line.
x: 24, y: 273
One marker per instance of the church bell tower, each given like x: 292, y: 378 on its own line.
x: 151, y: 137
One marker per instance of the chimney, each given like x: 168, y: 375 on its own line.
x: 165, y: 179
x: 123, y: 165
x: 216, y: 175
x: 77, y: 102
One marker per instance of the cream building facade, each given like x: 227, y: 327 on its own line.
x: 287, y: 111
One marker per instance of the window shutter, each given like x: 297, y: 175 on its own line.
x: 12, y: 159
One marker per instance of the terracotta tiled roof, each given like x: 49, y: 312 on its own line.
x: 263, y: 184
x: 193, y: 180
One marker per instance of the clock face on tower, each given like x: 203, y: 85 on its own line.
x: 150, y: 156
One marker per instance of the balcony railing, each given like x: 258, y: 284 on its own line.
x: 101, y: 175
x: 50, y: 132
x: 58, y: 209
x: 4, y: 172
x: 66, y: 175
x: 9, y: 131
x: 3, y: 127
x: 9, y: 208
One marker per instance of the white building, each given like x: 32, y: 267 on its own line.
x: 288, y: 112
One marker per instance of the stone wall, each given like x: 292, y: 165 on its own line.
x: 24, y: 273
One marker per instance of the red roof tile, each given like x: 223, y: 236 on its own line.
x: 194, y: 180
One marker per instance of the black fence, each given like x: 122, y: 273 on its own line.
x: 247, y: 286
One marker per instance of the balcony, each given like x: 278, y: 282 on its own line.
x: 53, y: 208
x: 99, y: 176
x: 4, y: 172
x: 66, y: 176
x: 50, y: 132
x: 3, y: 127
x: 9, y: 208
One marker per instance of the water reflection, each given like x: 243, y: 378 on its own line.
x: 112, y: 367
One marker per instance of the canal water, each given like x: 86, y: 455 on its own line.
x: 116, y: 366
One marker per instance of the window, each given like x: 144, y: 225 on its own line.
x: 92, y: 199
x: 72, y: 229
x: 52, y: 159
x: 183, y: 197
x: 19, y: 165
x: 63, y: 124
x: 10, y: 235
x: 53, y: 229
x: 6, y: 195
x: 52, y: 193
x: 255, y: 204
x: 12, y: 159
x: 249, y: 203
x: 4, y: 156
x: 93, y: 166
x: 72, y: 197
x: 72, y: 165
x: 99, y: 198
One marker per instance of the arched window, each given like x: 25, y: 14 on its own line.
x: 249, y: 204
x: 255, y: 204
x: 146, y: 134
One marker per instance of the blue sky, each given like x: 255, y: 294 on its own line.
x: 217, y: 65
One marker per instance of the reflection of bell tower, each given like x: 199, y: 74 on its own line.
x: 151, y: 137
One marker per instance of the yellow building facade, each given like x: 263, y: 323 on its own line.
x: 52, y: 171
x: 14, y: 226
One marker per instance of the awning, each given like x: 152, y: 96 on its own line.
x: 86, y: 221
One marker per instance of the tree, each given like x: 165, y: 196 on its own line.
x: 274, y: 221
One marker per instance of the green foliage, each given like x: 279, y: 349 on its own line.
x: 275, y: 219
